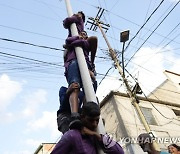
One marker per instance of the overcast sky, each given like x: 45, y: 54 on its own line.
x: 30, y: 76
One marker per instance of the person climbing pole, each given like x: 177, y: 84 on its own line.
x: 79, y: 20
x: 84, y: 141
x: 72, y: 74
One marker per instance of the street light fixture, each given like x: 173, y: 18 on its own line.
x: 124, y: 36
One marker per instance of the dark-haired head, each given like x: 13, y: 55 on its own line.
x: 172, y: 146
x: 83, y: 15
x: 84, y: 32
x: 90, y: 114
x: 145, y: 138
x: 145, y: 141
x: 90, y: 109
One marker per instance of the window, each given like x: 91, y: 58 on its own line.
x: 148, y: 115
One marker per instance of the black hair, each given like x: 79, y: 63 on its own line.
x: 83, y: 15
x: 144, y: 138
x: 84, y: 31
x: 176, y: 146
x: 90, y: 109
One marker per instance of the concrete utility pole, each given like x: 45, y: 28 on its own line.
x: 94, y: 25
x: 95, y: 22
x: 86, y: 80
x: 130, y: 93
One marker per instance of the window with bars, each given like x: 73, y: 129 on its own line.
x: 148, y: 116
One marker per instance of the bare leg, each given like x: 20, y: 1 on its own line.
x: 93, y: 46
x: 75, y: 122
x: 72, y: 87
x: 92, y: 75
x: 73, y: 91
x: 73, y: 100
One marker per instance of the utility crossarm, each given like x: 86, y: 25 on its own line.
x: 98, y: 17
x: 104, y: 26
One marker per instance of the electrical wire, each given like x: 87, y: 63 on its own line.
x: 151, y: 102
x: 85, y: 2
x: 158, y: 19
x: 37, y: 53
x: 110, y: 23
x: 27, y: 43
x: 34, y: 60
x: 38, y: 68
x: 30, y: 59
x: 145, y: 19
x: 144, y: 24
x: 135, y: 80
x: 22, y: 30
x: 158, y: 110
x: 152, y: 33
x: 48, y: 5
x: 29, y: 12
x: 105, y: 75
x: 165, y: 37
x: 115, y: 4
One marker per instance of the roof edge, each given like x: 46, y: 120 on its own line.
x: 112, y: 93
x: 172, y: 72
x: 37, y: 150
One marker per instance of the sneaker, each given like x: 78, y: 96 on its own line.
x: 75, y: 122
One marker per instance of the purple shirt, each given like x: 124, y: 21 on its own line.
x: 73, y: 19
x: 72, y: 142
x: 71, y: 55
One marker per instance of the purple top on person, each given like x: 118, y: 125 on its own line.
x: 72, y: 142
x: 71, y: 55
x: 73, y: 19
